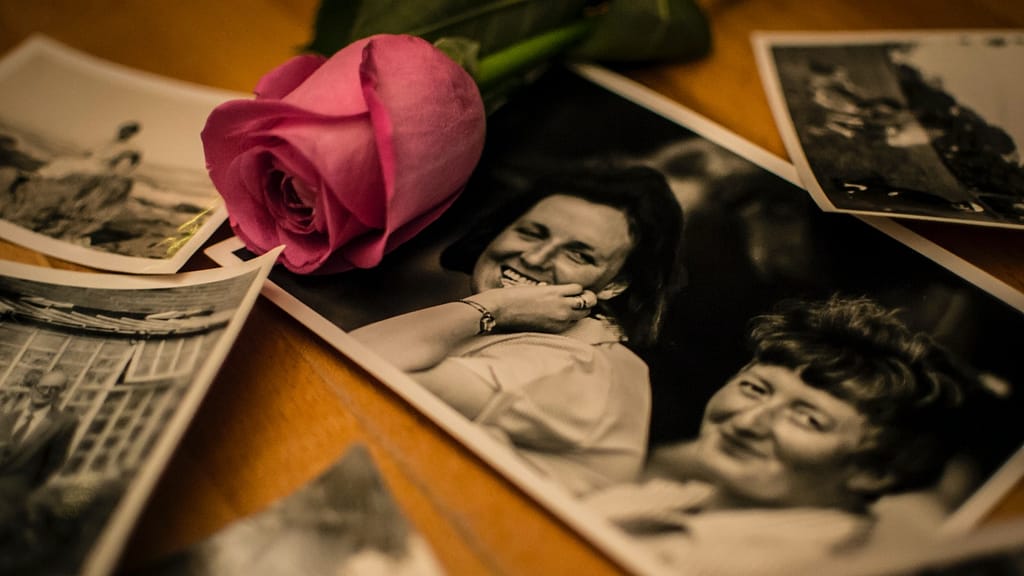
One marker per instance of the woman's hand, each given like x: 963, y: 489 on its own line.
x: 544, y: 308
x: 422, y: 339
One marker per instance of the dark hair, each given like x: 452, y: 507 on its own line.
x: 654, y: 266
x: 909, y: 388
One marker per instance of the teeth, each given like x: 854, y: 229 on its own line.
x: 510, y: 277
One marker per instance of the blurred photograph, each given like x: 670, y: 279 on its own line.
x: 103, y: 175
x: 99, y: 375
x: 925, y: 125
x: 343, y: 522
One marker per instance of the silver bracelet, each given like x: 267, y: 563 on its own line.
x: 487, y: 321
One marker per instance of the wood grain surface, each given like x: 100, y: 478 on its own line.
x: 286, y: 405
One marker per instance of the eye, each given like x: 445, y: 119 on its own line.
x: 528, y: 231
x: 753, y: 389
x: 581, y: 257
x: 809, y: 419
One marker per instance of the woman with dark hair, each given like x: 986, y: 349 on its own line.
x: 560, y: 280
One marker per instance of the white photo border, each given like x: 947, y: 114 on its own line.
x: 43, y: 47
x: 763, y: 42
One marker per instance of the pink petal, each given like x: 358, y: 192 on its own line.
x: 338, y: 157
x: 247, y: 213
x: 280, y: 81
x: 367, y: 251
x: 333, y: 89
x: 303, y: 253
x: 429, y: 120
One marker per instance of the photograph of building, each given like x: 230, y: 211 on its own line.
x: 89, y: 381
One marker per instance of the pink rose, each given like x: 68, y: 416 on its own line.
x: 344, y: 159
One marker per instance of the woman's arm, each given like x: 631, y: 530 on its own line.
x: 421, y: 339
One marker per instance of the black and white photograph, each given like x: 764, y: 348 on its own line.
x: 98, y: 163
x: 925, y: 125
x: 345, y: 521
x: 651, y: 328
x: 99, y: 376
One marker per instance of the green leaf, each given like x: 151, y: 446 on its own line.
x: 647, y: 30
x: 464, y: 51
x: 507, y: 70
x: 501, y: 73
x: 529, y: 53
x: 495, y: 24
x: 333, y: 25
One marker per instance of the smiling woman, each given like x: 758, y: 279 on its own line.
x: 562, y: 239
x: 562, y: 279
x: 771, y: 438
x: 840, y: 405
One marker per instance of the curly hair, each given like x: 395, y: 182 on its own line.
x: 908, y: 387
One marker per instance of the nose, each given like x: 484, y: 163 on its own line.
x: 754, y: 421
x: 539, y: 255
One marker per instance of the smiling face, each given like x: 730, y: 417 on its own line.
x: 769, y: 439
x: 562, y: 239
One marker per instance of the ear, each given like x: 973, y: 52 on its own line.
x: 870, y: 482
x: 613, y: 289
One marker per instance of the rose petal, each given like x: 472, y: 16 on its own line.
x: 247, y: 212
x: 429, y: 121
x: 368, y: 251
x: 303, y: 253
x: 280, y: 81
x: 347, y: 172
x: 333, y: 88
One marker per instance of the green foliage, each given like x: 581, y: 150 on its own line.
x: 464, y: 51
x: 503, y: 43
x: 505, y: 71
x: 333, y: 26
x: 647, y: 30
x: 494, y: 24
x: 529, y: 53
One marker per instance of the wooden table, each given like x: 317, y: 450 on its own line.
x: 273, y: 418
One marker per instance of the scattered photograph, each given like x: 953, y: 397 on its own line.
x: 925, y: 125
x: 647, y: 324
x: 343, y: 522
x: 100, y: 164
x: 99, y: 376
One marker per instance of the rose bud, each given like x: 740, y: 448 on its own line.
x: 344, y: 159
